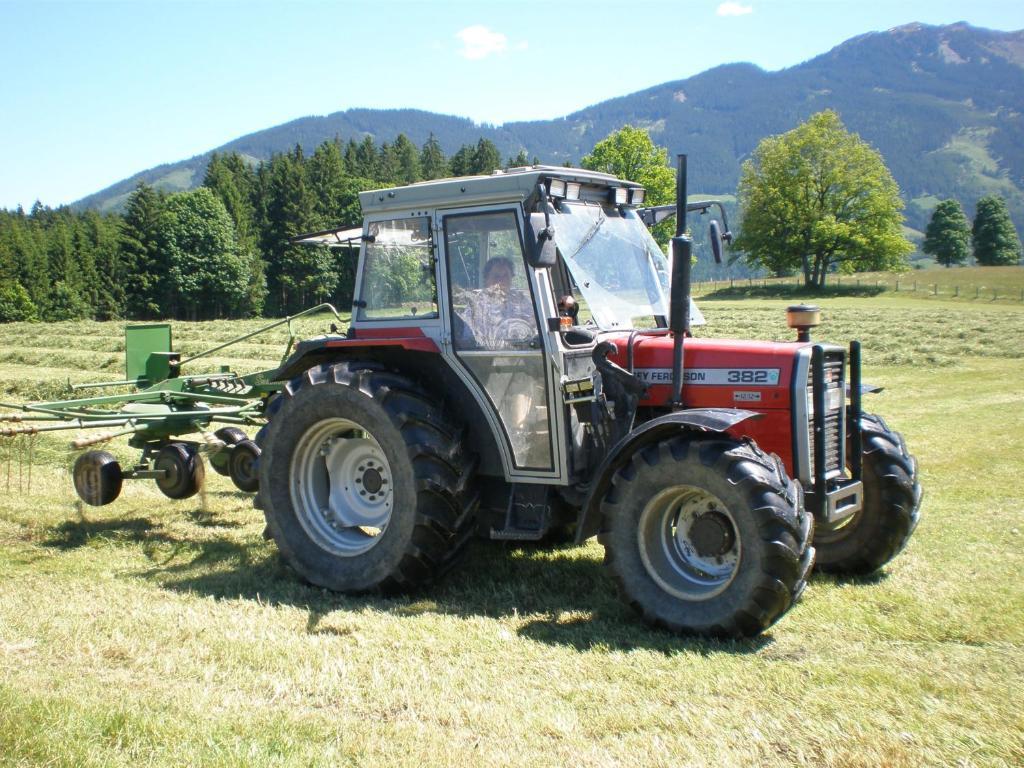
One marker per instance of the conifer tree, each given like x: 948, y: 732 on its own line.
x: 993, y: 236
x: 948, y: 235
x: 486, y: 157
x: 147, y: 290
x: 462, y: 161
x: 433, y: 164
x: 407, y: 159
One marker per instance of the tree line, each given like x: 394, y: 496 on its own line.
x: 221, y: 250
x: 816, y: 200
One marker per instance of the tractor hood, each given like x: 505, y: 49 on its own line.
x: 721, y: 373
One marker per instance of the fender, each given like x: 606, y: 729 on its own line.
x: 717, y: 420
x: 317, y: 349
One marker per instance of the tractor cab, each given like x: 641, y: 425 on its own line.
x: 514, y: 279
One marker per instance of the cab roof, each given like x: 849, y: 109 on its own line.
x: 508, y: 185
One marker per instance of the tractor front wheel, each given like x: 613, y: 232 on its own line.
x: 364, y: 482
x: 874, y: 535
x: 707, y: 536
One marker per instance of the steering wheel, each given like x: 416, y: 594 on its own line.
x: 514, y: 331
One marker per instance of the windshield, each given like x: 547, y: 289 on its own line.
x: 616, y: 264
x: 620, y: 270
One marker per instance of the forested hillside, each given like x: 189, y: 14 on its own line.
x: 221, y: 250
x: 944, y: 106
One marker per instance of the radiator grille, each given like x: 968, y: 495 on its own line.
x: 835, y: 402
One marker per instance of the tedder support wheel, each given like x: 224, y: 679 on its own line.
x: 873, y: 536
x: 707, y: 536
x: 242, y: 465
x: 97, y: 477
x: 364, y: 483
x: 221, y: 460
x: 184, y: 471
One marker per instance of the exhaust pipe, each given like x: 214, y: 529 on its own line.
x: 679, y: 308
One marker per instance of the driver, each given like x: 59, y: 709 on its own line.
x: 499, y: 316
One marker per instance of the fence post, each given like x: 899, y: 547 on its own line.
x: 915, y: 286
x: 956, y: 291
x: 897, y: 285
x: 935, y: 289
x: 977, y: 291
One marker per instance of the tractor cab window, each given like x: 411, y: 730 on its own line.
x: 490, y: 297
x: 398, y: 271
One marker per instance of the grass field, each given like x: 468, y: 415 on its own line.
x: 155, y: 632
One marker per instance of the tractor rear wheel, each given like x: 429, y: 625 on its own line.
x: 364, y: 481
x: 874, y: 535
x: 707, y: 536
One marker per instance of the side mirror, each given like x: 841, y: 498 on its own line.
x: 540, y: 241
x: 715, y: 233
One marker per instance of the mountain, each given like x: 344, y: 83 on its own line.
x: 944, y: 106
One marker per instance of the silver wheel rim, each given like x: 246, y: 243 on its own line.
x: 671, y: 556
x: 342, y: 487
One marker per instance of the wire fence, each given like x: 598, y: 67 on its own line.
x: 852, y: 284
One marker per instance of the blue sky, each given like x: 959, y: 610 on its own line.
x: 92, y: 92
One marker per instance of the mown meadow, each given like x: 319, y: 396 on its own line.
x: 159, y: 632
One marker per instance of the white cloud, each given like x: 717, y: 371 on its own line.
x: 734, y: 9
x: 478, y: 42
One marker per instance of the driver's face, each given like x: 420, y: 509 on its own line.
x: 499, y: 276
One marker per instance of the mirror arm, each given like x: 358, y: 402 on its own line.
x: 548, y: 231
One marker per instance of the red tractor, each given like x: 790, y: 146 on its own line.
x: 520, y: 364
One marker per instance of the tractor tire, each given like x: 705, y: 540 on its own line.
x: 364, y: 481
x: 184, y: 471
x: 880, y: 530
x: 98, y: 478
x: 221, y: 460
x: 707, y: 536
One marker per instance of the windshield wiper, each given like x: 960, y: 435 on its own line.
x: 590, y: 234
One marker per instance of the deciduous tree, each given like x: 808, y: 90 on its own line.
x: 818, y: 198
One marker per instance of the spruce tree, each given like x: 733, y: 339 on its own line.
x: 147, y: 290
x: 486, y: 157
x: 433, y: 164
x: 462, y: 161
x: 993, y: 236
x: 387, y: 165
x: 948, y: 236
x: 408, y: 160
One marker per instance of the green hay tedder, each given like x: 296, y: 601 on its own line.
x: 162, y: 405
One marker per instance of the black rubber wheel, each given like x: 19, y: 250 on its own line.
x: 221, y: 460
x: 242, y: 465
x: 98, y: 478
x: 184, y: 470
x: 707, y: 536
x: 881, y: 529
x: 364, y: 481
